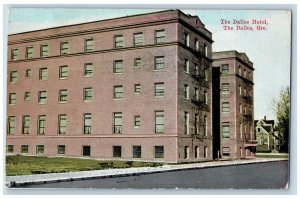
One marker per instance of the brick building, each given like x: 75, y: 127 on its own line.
x: 232, y: 76
x: 129, y: 88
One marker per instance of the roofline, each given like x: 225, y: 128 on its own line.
x: 90, y: 22
x: 249, y: 66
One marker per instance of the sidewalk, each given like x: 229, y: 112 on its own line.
x: 16, y: 181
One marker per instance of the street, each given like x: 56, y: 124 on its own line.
x: 271, y: 175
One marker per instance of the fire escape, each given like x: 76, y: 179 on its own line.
x: 200, y: 97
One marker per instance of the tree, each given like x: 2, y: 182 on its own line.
x: 282, y: 109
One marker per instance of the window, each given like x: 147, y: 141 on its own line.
x: 197, y: 71
x: 240, y: 70
x: 117, y: 151
x: 89, y: 45
x: 42, y: 97
x: 117, y: 123
x: 138, y: 39
x: 186, y: 66
x: 205, y: 152
x: 63, y: 95
x: 119, y: 41
x: 225, y: 107
x: 241, y: 131
x: 159, y: 151
x: 249, y: 75
x: 62, y: 124
x: 187, y: 39
x: 118, y: 92
x: 41, y: 124
x: 24, y: 149
x: 196, y: 45
x: 29, y: 52
x: 13, y: 76
x: 159, y: 63
x: 39, y: 149
x: 245, y: 109
x: 137, y: 62
x: 64, y: 48
x: 159, y: 121
x: 186, y: 123
x: 43, y: 74
x: 87, y: 94
x: 136, y: 151
x: 225, y: 68
x: 186, y: 152
x: 28, y: 73
x: 245, y: 73
x: 63, y: 72
x: 9, y: 148
x: 225, y: 129
x: 44, y: 50
x: 196, y: 124
x: 160, y: 36
x: 226, y: 151
x: 258, y: 130
x: 225, y: 89
x: 159, y: 89
x: 15, y: 54
x: 137, y: 89
x: 186, y: 91
x: 86, y: 150
x: 240, y: 90
x: 26, y: 123
x: 197, y: 152
x: 245, y: 91
x: 87, y: 123
x: 205, y: 50
x: 61, y: 149
x: 118, y: 66
x: 88, y: 69
x: 12, y: 98
x: 11, y: 125
x: 240, y: 108
x: 137, y: 121
x: 205, y: 125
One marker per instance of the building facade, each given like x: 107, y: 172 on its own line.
x: 268, y: 140
x: 234, y: 135
x: 130, y: 88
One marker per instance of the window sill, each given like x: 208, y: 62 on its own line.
x: 63, y: 102
x: 87, y: 76
x: 159, y: 70
x: 63, y: 78
x: 87, y: 101
x: 137, y: 93
x: 12, y: 104
x: 40, y: 103
x: 117, y: 99
x: 137, y: 127
x: 158, y: 97
x: 118, y: 73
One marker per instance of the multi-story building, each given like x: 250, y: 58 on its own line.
x: 129, y: 88
x: 234, y: 135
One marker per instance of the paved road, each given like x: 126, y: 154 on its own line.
x: 272, y: 175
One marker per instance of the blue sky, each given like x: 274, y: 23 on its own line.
x: 269, y: 50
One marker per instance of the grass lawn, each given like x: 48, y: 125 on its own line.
x: 272, y: 155
x: 27, y: 165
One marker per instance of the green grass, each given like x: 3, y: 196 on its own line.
x: 27, y: 165
x: 271, y: 155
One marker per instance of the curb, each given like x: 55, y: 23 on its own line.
x: 15, y: 184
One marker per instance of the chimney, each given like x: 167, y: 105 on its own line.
x: 265, y: 117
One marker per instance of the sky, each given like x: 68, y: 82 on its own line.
x: 269, y: 49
